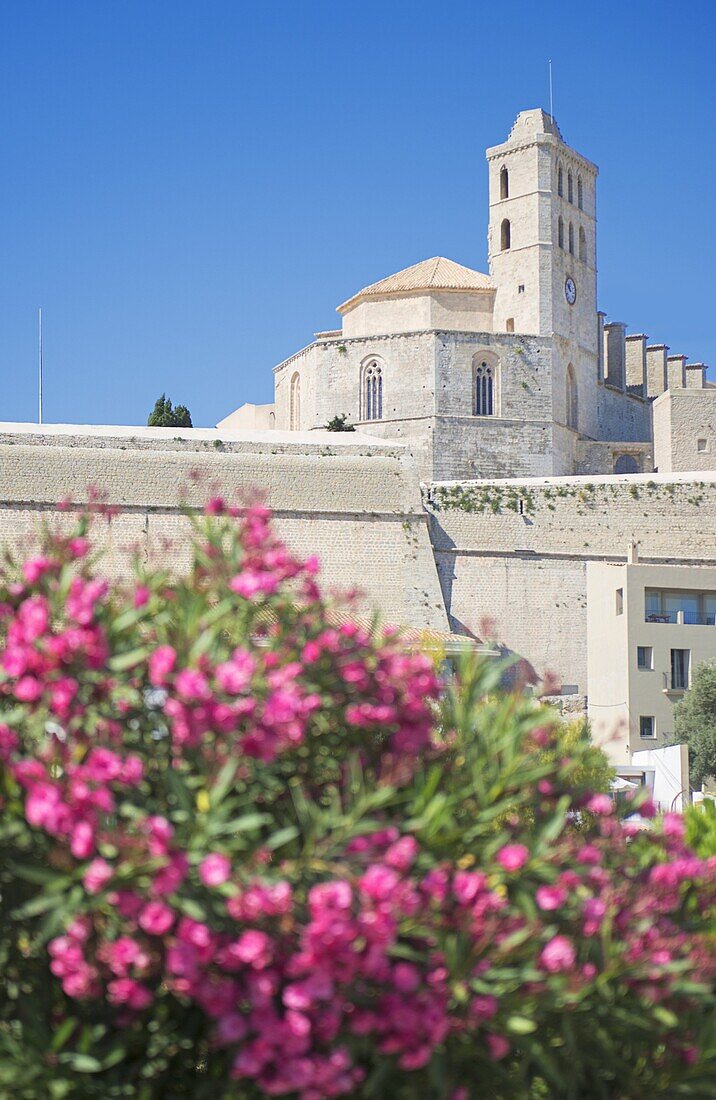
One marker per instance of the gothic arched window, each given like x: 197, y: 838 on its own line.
x: 504, y: 184
x: 582, y: 244
x: 294, y: 416
x: 372, y: 391
x: 580, y: 193
x: 560, y: 232
x: 570, y: 187
x: 571, y: 239
x: 572, y: 400
x: 505, y: 235
x: 560, y: 182
x: 483, y: 390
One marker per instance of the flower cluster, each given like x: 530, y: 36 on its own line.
x: 251, y: 814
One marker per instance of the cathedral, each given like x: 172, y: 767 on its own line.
x: 510, y: 374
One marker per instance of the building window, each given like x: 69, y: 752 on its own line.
x: 570, y: 188
x: 560, y: 182
x: 572, y: 397
x: 702, y: 446
x: 680, y: 661
x: 644, y: 657
x: 626, y: 464
x: 504, y: 184
x: 373, y: 391
x: 571, y: 239
x: 582, y: 244
x: 505, y: 235
x: 510, y: 324
x: 295, y: 403
x: 580, y: 193
x: 484, y: 390
x: 647, y: 725
x: 560, y: 232
x: 688, y: 608
x: 620, y: 601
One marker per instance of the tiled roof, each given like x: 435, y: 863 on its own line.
x: 434, y: 274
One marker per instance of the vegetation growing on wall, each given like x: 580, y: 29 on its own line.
x: 485, y: 498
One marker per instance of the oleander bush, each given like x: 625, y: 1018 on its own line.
x: 247, y: 852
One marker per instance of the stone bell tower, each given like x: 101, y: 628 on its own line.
x: 542, y: 252
x: 542, y: 231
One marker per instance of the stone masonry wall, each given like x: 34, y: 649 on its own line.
x: 515, y: 552
x: 356, y: 504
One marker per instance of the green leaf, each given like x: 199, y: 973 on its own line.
x: 62, y: 1034
x: 244, y: 824
x: 665, y: 1016
x: 81, y: 1063
x: 224, y: 781
x: 520, y: 1025
x: 283, y: 836
x: 39, y: 875
x: 123, y: 661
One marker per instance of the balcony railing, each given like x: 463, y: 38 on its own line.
x: 683, y: 618
x: 675, y: 683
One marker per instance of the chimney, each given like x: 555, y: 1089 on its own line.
x: 695, y: 376
x: 636, y: 364
x: 676, y: 371
x: 633, y: 553
x: 656, y: 378
x: 614, y: 337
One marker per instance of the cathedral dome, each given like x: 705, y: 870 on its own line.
x: 435, y: 274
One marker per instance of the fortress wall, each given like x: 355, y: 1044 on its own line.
x: 622, y: 416
x: 516, y: 552
x: 356, y: 504
x: 466, y: 447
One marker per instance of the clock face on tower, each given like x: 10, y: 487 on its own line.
x: 570, y: 290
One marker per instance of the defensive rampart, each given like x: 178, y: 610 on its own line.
x: 515, y: 552
x: 352, y: 500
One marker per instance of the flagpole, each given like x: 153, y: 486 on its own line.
x: 39, y: 364
x: 551, y: 103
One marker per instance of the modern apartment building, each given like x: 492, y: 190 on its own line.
x: 648, y: 628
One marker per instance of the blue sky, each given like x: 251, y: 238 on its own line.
x: 189, y: 189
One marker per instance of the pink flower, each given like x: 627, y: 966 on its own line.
x: 141, y: 595
x: 498, y: 1046
x: 161, y: 664
x: 513, y: 856
x: 550, y: 897
x: 9, y: 741
x: 557, y: 955
x: 82, y: 842
x: 467, y: 885
x: 673, y: 826
x: 28, y: 689
x: 97, y: 876
x: 125, y: 991
x: 253, y: 948
x: 600, y: 804
x: 214, y: 869
x: 34, y: 568
x: 402, y: 854
x: 251, y: 583
x: 192, y: 685
x: 156, y: 918
x: 78, y: 547
x: 406, y: 977
x: 34, y: 616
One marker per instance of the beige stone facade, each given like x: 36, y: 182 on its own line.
x: 567, y: 392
